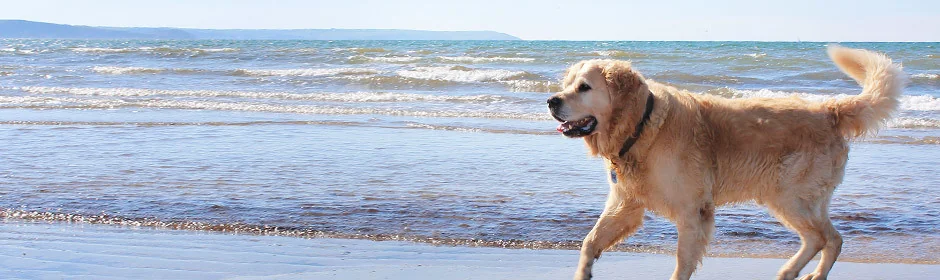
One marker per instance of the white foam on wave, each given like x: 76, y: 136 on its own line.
x: 460, y: 74
x: 618, y: 54
x: 479, y: 129
x: 757, y: 55
x: 471, y: 59
x: 103, y: 50
x: 45, y: 102
x: 907, y: 102
x: 926, y: 76
x: 117, y: 70
x: 360, y: 50
x: 388, y: 59
x: 532, y: 86
x: 217, y: 50
x: 904, y: 122
x: 920, y: 103
x: 151, y: 49
x: 307, y: 72
x: 13, y: 101
x: 322, y: 97
x: 18, y: 51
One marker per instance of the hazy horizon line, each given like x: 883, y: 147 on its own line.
x: 404, y: 29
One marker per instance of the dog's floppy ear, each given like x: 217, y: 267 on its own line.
x: 621, y: 79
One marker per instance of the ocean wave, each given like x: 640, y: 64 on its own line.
x: 532, y: 86
x: 421, y: 52
x: 396, y: 82
x: 361, y: 50
x: 618, y: 54
x: 43, y: 102
x: 362, y: 97
x: 126, y: 70
x: 218, y: 49
x: 304, y: 72
x: 16, y: 51
x: 756, y: 55
x: 927, y: 140
x: 682, y: 77
x: 164, y: 50
x: 472, y: 59
x: 925, y: 76
x: 186, y: 50
x: 903, y: 122
x: 403, y: 125
x: 104, y: 50
x: 744, y: 57
x: 478, y: 129
x: 920, y: 103
x: 385, y: 59
x: 464, y: 74
x: 118, y: 70
x: 80, y: 103
x: 175, y: 124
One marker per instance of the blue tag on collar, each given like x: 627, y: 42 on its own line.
x: 613, y: 175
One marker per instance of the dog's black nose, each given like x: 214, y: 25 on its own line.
x: 554, y: 102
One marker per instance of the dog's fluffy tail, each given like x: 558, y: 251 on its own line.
x: 881, y: 81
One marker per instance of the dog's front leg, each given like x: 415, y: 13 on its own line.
x: 695, y: 230
x: 620, y: 218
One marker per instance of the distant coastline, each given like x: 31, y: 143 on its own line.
x: 42, y: 30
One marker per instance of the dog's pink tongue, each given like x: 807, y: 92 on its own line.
x: 561, y: 127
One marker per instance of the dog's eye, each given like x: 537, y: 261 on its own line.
x: 584, y: 87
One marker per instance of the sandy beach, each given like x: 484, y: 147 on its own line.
x: 32, y: 250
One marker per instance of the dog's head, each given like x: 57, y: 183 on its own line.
x: 599, y: 97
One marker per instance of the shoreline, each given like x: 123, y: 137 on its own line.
x: 62, y: 250
x: 729, y: 250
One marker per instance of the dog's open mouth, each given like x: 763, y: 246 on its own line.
x: 578, y: 128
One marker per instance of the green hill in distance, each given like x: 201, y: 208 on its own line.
x: 42, y: 30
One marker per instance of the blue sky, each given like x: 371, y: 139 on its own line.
x: 775, y: 20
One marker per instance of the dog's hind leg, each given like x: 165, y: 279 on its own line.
x: 695, y: 230
x: 621, y: 218
x: 830, y: 252
x: 810, y: 219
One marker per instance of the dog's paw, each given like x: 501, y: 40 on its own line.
x: 813, y: 276
x: 582, y: 276
x: 787, y: 275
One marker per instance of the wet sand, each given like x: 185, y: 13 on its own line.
x: 30, y: 250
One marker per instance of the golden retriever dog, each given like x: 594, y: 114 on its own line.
x: 680, y: 154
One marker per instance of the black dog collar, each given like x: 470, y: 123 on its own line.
x: 639, y: 127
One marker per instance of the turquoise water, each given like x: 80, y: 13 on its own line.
x: 446, y: 142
